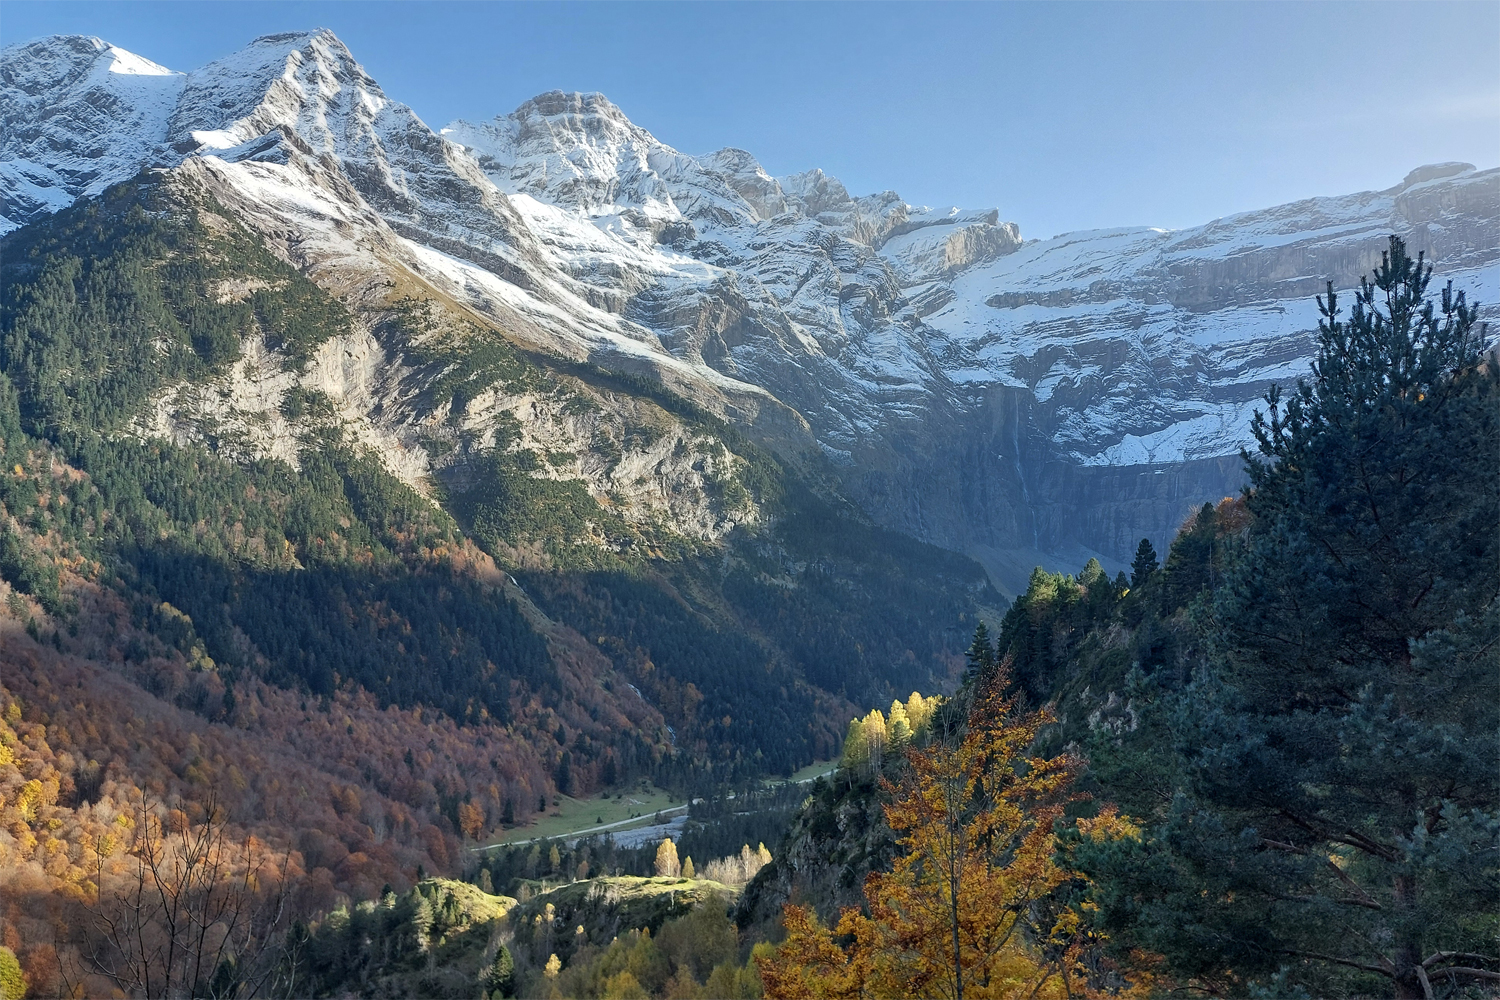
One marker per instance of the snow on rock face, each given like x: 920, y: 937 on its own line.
x: 927, y: 349
x: 307, y: 91
x: 1144, y: 330
x: 80, y: 114
x: 580, y: 152
x: 76, y: 115
x: 748, y: 178
x: 790, y: 291
x: 915, y: 339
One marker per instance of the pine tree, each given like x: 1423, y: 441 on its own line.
x: 981, y: 654
x: 1144, y: 564
x: 1092, y: 573
x: 1190, y: 563
x: 500, y: 977
x: 1336, y: 822
x: 898, y: 727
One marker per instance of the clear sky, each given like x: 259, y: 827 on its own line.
x: 1062, y: 115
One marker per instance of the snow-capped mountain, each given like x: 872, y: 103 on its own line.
x: 1019, y: 400
x: 77, y: 115
x: 1010, y: 399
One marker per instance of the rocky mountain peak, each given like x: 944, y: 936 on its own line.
x: 303, y: 82
x: 76, y: 115
x: 925, y: 349
x: 743, y: 172
x: 1436, y: 171
x: 65, y: 60
x: 580, y: 152
x: 574, y: 104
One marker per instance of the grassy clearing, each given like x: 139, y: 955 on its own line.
x: 475, y: 905
x: 572, y: 815
x: 816, y: 769
x: 602, y: 906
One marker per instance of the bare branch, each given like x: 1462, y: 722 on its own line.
x: 1426, y: 985
x: 1386, y: 968
x: 1459, y: 970
x: 1448, y: 956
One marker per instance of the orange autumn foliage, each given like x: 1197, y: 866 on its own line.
x: 974, y: 816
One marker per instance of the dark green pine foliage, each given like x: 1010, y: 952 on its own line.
x: 981, y: 654
x: 1044, y: 630
x: 1325, y: 793
x: 1144, y: 564
x: 117, y: 296
x: 500, y: 979
x: 1190, y: 563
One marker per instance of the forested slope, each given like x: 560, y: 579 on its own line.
x: 189, y: 510
x: 1283, y: 739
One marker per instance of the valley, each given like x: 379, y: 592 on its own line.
x: 461, y: 530
x: 572, y: 818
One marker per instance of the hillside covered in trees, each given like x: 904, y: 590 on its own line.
x: 1274, y: 756
x: 218, y: 612
x: 265, y: 690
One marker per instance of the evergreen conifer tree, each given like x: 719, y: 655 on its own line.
x: 1144, y: 565
x: 1335, y: 826
x: 1190, y: 563
x: 1092, y: 573
x: 500, y: 978
x: 981, y: 654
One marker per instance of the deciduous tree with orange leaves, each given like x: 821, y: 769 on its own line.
x: 956, y: 917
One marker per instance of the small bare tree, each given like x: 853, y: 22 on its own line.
x: 194, y: 912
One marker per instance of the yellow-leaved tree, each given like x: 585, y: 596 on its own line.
x: 974, y: 817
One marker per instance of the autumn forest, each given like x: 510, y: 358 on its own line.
x: 289, y: 725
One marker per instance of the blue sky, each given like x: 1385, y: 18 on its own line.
x: 1064, y: 116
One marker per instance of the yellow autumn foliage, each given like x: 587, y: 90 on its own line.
x: 974, y: 819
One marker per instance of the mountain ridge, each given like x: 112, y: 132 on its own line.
x: 980, y: 391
